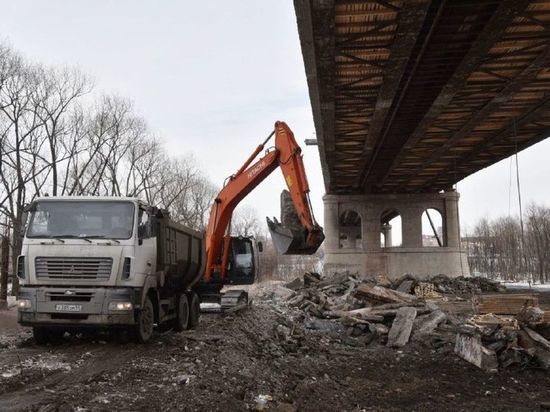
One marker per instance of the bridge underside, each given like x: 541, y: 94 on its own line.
x: 413, y: 96
x: 409, y: 97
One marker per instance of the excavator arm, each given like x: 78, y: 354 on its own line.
x: 286, y: 154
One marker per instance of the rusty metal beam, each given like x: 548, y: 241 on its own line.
x: 411, y: 19
x: 513, y: 86
x: 493, y: 31
x: 317, y: 41
x: 531, y: 116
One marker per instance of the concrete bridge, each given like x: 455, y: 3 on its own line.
x: 409, y: 97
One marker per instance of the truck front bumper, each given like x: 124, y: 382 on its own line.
x: 63, y: 306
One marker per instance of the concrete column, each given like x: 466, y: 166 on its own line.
x: 452, y: 225
x: 371, y: 233
x: 331, y: 223
x: 386, y: 230
x: 411, y: 221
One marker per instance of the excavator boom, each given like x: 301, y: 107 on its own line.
x: 297, y: 233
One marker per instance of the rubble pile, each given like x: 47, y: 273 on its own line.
x: 465, y: 286
x: 507, y: 331
x: 504, y: 333
x: 371, y: 312
x: 493, y: 342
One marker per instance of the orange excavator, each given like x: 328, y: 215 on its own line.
x: 233, y: 260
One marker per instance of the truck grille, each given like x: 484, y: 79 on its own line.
x: 72, y: 297
x: 73, y: 268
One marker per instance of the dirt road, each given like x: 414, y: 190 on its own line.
x: 246, y: 361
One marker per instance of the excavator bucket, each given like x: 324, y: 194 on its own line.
x: 289, y: 236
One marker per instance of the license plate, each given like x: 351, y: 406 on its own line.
x: 68, y: 308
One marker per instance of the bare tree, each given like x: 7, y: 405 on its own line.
x: 246, y: 222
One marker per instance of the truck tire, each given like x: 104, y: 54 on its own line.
x: 182, y: 313
x: 41, y: 335
x: 194, y: 310
x: 143, y: 330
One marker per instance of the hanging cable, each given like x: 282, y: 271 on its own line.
x: 458, y: 225
x: 522, y: 238
x: 510, y: 186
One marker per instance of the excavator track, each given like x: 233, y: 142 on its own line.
x: 233, y: 298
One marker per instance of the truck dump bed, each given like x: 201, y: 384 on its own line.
x: 181, y: 254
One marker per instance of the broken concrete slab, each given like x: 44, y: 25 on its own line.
x: 381, y: 294
x: 406, y: 286
x: 531, y: 315
x: 282, y: 292
x: 428, y: 323
x: 401, y: 328
x: 537, y: 338
x: 311, y: 278
x: 469, y: 347
x: 295, y: 284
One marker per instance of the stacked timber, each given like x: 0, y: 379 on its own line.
x: 505, y: 304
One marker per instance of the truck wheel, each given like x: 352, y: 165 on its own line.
x: 41, y: 335
x: 194, y: 310
x: 182, y: 314
x: 56, y: 336
x: 143, y: 330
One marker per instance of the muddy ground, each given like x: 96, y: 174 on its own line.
x: 246, y: 361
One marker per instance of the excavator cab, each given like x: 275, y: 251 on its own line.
x: 243, y: 261
x: 289, y: 236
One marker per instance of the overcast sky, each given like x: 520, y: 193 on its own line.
x: 211, y: 78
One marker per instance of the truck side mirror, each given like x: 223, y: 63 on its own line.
x: 260, y: 246
x: 141, y: 234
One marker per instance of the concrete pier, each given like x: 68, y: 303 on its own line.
x: 354, y: 225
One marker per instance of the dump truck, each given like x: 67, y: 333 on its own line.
x: 107, y: 262
x: 117, y: 262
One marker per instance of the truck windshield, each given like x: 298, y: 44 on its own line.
x: 81, y: 219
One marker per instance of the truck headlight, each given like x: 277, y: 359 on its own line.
x: 24, y: 304
x: 120, y: 306
x: 21, y: 267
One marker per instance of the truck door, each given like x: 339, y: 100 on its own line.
x: 242, y: 269
x: 147, y: 245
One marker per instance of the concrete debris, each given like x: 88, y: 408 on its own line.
x: 406, y: 286
x: 465, y: 285
x: 382, y: 294
x: 407, y: 310
x: 490, y: 319
x: 532, y: 315
x: 401, y: 328
x: 427, y: 324
x: 513, y: 343
x: 373, y: 313
x: 470, y: 348
x: 537, y: 338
